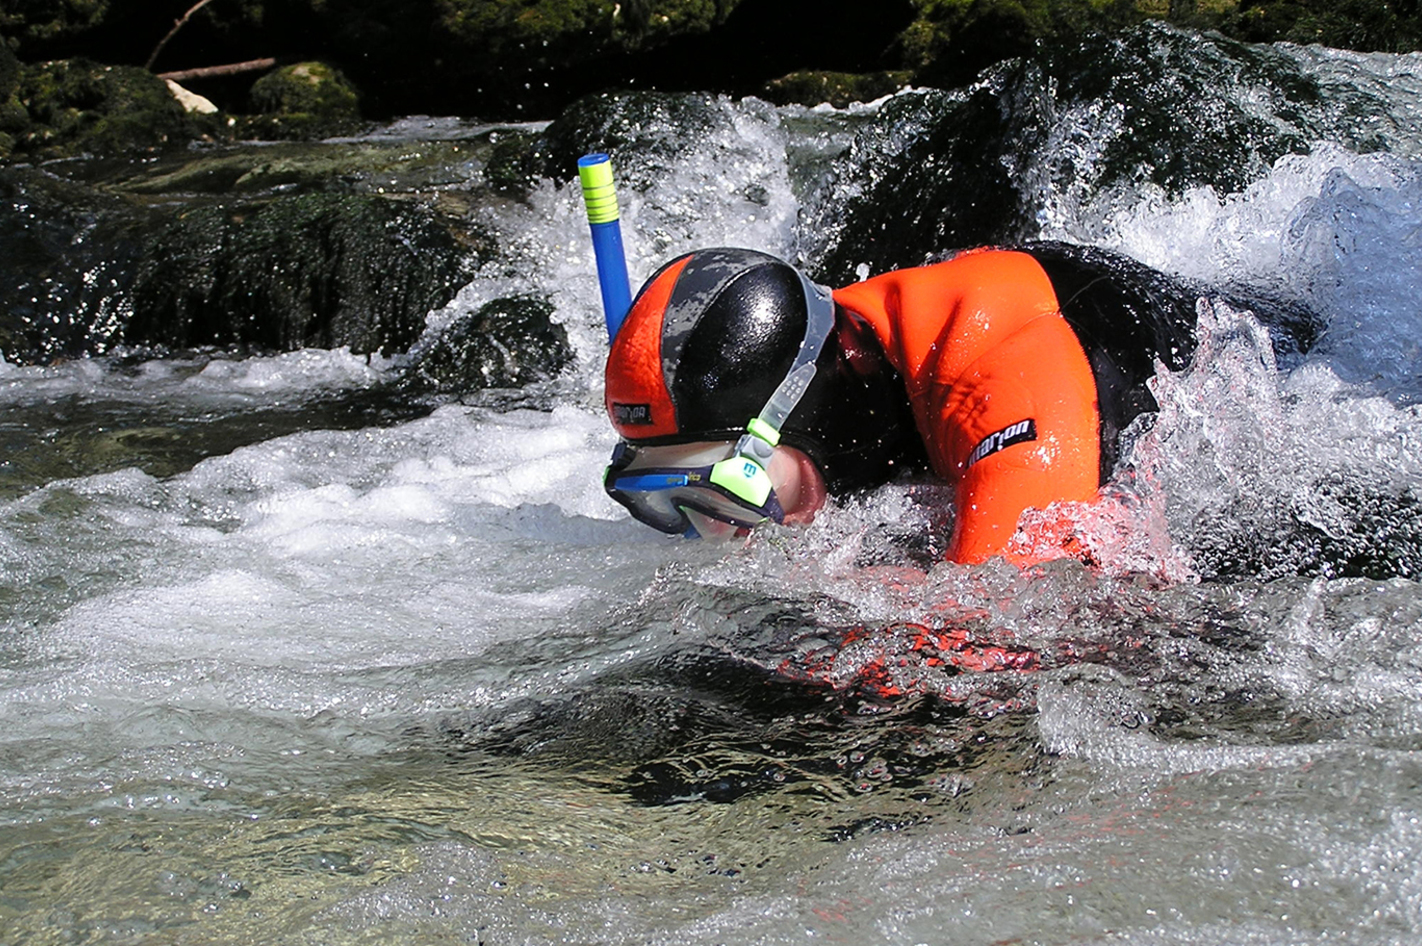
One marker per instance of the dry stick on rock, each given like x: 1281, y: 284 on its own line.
x: 177, y: 25
x: 207, y: 72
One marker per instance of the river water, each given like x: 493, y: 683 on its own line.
x: 283, y: 663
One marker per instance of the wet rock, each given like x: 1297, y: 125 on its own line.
x: 645, y: 132
x: 274, y: 247
x: 1150, y: 106
x: 938, y: 181
x: 67, y: 255
x: 311, y: 270
x: 515, y: 164
x: 648, y: 129
x: 507, y: 343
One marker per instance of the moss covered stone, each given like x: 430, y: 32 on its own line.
x: 75, y: 106
x: 308, y: 99
x: 312, y: 87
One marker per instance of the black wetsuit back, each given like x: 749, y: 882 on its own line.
x: 1126, y: 315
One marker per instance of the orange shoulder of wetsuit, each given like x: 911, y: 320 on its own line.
x: 982, y: 346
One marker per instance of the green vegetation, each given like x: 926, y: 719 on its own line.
x: 531, y: 58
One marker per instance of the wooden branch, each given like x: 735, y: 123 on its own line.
x: 208, y: 72
x: 177, y: 25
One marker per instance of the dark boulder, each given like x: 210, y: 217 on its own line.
x: 85, y: 268
x: 507, y: 343
x: 310, y: 270
x: 67, y: 256
x: 1152, y: 106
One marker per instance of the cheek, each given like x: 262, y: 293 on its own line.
x: 798, y: 485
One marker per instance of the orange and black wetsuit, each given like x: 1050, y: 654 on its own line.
x: 1018, y: 402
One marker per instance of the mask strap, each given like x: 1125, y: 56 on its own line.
x: 744, y: 473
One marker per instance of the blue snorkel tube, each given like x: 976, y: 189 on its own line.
x: 604, y: 219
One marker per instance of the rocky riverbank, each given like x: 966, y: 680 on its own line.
x: 133, y: 214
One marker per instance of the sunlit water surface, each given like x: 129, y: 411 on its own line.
x: 415, y: 679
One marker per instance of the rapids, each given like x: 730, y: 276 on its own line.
x: 288, y: 658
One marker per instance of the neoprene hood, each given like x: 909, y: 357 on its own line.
x: 712, y: 334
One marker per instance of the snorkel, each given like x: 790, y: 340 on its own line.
x: 604, y: 220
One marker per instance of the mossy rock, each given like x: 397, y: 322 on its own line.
x: 75, y: 106
x: 509, y: 342
x: 311, y: 87
x: 837, y: 88
x: 305, y: 100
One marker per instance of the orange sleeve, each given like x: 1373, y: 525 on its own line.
x: 983, y: 349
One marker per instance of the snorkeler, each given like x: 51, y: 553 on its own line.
x: 745, y: 393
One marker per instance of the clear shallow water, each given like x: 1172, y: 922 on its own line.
x: 366, y: 676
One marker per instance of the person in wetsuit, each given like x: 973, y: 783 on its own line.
x: 743, y: 392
